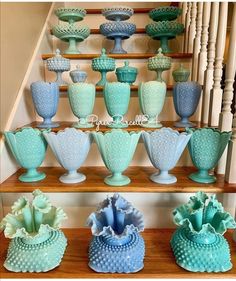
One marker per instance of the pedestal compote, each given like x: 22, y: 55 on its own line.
x: 58, y: 64
x: 116, y: 29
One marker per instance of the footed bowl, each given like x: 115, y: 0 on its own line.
x: 70, y: 14
x: 165, y: 13
x: 117, y: 13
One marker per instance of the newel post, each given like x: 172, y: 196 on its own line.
x: 208, y: 77
x: 197, y: 41
x: 216, y: 92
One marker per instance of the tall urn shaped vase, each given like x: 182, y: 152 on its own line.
x: 151, y: 99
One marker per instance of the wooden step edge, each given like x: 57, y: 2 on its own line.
x: 100, y: 88
x: 120, y: 56
x: 97, y: 31
x: 136, y: 11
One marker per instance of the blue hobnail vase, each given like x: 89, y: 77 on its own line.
x: 198, y: 244
x: 37, y: 244
x: 186, y: 98
x: 71, y: 148
x: 45, y: 97
x: 116, y: 246
x: 164, y: 148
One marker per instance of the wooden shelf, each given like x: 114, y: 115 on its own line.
x: 120, y: 56
x: 159, y: 261
x: 136, y: 11
x: 139, y: 176
x: 100, y: 88
x: 103, y: 128
x: 97, y: 31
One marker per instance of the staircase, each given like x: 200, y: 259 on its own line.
x: 78, y: 200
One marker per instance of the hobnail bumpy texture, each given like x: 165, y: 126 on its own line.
x: 206, y: 147
x: 117, y: 12
x: 165, y: 13
x: 103, y: 63
x: 66, y: 31
x: 66, y: 12
x: 126, y: 258
x: 196, y: 257
x: 159, y: 62
x: 169, y: 28
x: 121, y: 29
x: 42, y: 257
x: 58, y: 63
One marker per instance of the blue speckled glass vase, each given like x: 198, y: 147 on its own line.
x: 45, y: 98
x: 198, y: 244
x: 186, y: 98
x: 38, y: 244
x: 116, y: 246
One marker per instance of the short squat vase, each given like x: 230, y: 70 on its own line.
x: 206, y: 147
x: 82, y: 98
x: 28, y: 146
x: 58, y: 64
x: 164, y: 148
x: 45, y: 98
x: 71, y: 148
x: 151, y: 100
x: 181, y: 74
x: 38, y: 244
x: 198, y: 243
x: 116, y: 29
x: 126, y: 74
x: 117, y: 148
x: 116, y: 246
x: 186, y: 98
x: 103, y: 64
x: 117, y: 97
x: 77, y: 75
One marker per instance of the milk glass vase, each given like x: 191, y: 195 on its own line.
x: 45, y: 97
x: 198, y: 244
x: 117, y: 97
x: 38, y: 244
x: 82, y: 98
x: 28, y: 146
x: 71, y: 148
x: 164, y: 148
x: 206, y: 147
x: 116, y: 246
x: 151, y: 100
x: 117, y: 148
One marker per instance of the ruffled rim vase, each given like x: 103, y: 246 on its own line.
x: 206, y: 147
x: 116, y: 245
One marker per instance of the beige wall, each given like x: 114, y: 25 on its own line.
x: 21, y: 24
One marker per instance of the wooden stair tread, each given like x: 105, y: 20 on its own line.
x: 136, y: 10
x: 97, y: 31
x: 120, y: 56
x: 159, y: 260
x: 139, y: 176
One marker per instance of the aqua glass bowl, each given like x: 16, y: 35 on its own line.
x: 165, y: 13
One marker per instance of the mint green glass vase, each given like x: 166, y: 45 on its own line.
x: 28, y: 146
x: 117, y: 97
x: 37, y: 244
x: 151, y: 99
x: 206, y: 146
x: 117, y: 148
x: 82, y: 99
x: 198, y: 244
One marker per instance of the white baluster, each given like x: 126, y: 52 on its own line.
x: 192, y: 27
x: 187, y: 24
x: 197, y: 41
x: 184, y: 8
x: 216, y: 92
x: 208, y: 77
x: 226, y: 116
x: 202, y: 61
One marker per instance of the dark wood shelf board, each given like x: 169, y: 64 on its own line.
x: 120, y: 56
x: 159, y: 260
x: 139, y: 176
x: 97, y: 31
x: 136, y: 11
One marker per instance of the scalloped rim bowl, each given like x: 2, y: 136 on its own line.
x: 115, y: 29
x: 67, y: 14
x: 67, y: 31
x: 117, y: 13
x: 169, y: 29
x: 165, y: 13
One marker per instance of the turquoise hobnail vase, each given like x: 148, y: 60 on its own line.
x: 82, y: 99
x: 198, y: 244
x: 116, y: 245
x: 117, y: 148
x: 37, y: 245
x: 151, y: 100
x: 206, y: 146
x: 117, y: 97
x: 28, y: 146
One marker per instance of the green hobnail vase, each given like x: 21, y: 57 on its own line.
x: 117, y: 148
x: 28, y: 146
x: 206, y: 146
x: 117, y: 97
x: 181, y: 74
